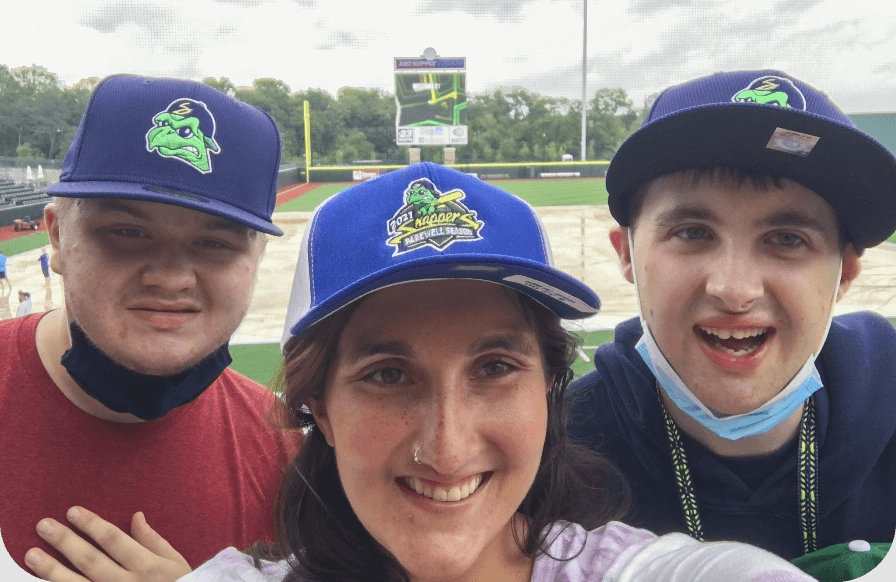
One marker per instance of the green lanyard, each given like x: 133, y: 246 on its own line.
x: 807, y: 481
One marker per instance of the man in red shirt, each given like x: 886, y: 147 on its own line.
x: 121, y: 400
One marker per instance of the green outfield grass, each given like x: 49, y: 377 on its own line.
x: 309, y: 201
x: 257, y: 361
x: 536, y: 192
x: 558, y: 192
x: 892, y: 239
x: 589, y: 342
x: 25, y: 243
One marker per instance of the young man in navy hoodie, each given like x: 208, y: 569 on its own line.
x: 737, y: 407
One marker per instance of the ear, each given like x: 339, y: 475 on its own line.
x: 319, y: 410
x: 619, y: 240
x: 51, y: 219
x: 852, y: 266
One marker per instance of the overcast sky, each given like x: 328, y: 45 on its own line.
x: 847, y: 48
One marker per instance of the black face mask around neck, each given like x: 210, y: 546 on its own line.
x: 123, y: 390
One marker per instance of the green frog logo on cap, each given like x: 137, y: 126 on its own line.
x: 185, y: 131
x: 772, y: 90
x: 431, y: 218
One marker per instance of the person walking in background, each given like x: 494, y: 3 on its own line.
x: 24, y: 304
x: 44, y: 260
x: 4, y: 278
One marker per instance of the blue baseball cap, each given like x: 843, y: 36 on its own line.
x: 175, y: 142
x: 768, y: 122
x: 419, y: 223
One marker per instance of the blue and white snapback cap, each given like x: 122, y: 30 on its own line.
x: 175, y: 142
x: 419, y: 223
x: 768, y: 122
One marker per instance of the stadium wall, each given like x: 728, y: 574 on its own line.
x: 496, y: 171
x: 289, y: 174
x: 8, y: 215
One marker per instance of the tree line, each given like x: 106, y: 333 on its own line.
x: 39, y: 116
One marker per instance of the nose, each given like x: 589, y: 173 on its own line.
x: 735, y: 279
x: 169, y: 269
x: 449, y: 437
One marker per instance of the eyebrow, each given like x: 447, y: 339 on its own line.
x: 230, y: 226
x: 684, y: 213
x: 215, y: 222
x: 792, y: 218
x: 113, y: 205
x: 365, y: 349
x: 511, y: 342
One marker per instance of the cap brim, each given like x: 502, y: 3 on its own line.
x: 557, y: 291
x: 853, y: 172
x: 163, y: 195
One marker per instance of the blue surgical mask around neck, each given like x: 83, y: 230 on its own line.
x: 803, y: 384
x: 123, y: 390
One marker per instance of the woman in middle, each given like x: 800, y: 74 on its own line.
x: 424, y: 353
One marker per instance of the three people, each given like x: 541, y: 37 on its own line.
x: 425, y: 358
x: 122, y: 399
x: 736, y: 405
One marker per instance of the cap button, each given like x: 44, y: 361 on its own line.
x: 859, y: 546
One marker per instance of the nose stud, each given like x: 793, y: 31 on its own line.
x: 417, y: 450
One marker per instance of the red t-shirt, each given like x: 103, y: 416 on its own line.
x: 205, y: 475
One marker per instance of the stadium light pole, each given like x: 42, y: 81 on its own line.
x: 584, y: 68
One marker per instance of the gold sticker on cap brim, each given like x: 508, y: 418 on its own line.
x: 792, y: 142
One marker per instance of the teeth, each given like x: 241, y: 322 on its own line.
x: 717, y: 335
x: 736, y: 334
x: 743, y: 352
x: 455, y: 493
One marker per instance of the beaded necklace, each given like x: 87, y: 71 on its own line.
x: 807, y: 477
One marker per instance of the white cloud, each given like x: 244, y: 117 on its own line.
x: 846, y: 49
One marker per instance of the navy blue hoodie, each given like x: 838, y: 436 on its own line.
x: 616, y: 412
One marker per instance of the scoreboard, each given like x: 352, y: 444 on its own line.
x: 432, y: 101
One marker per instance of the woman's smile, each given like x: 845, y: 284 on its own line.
x: 448, y: 493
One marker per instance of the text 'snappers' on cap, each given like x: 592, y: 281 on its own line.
x: 425, y: 222
x: 175, y: 142
x: 767, y: 122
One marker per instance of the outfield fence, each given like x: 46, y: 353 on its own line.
x: 490, y: 171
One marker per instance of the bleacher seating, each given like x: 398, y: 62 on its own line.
x: 14, y: 194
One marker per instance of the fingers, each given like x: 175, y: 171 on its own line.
x: 48, y: 568
x: 83, y: 555
x: 152, y: 541
x: 147, y: 557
